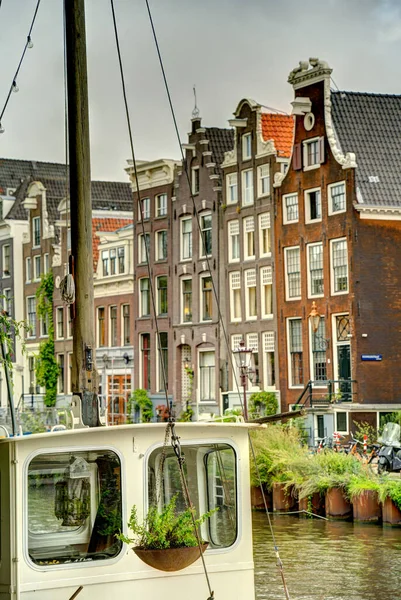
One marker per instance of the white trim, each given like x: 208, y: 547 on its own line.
x: 305, y: 145
x: 110, y: 307
x: 264, y: 313
x: 230, y: 241
x: 36, y: 276
x: 245, y: 238
x: 244, y: 188
x: 34, y: 220
x: 233, y: 291
x: 182, y: 279
x: 60, y: 309
x: 246, y: 139
x: 203, y: 276
x: 329, y: 199
x: 346, y: 432
x: 286, y: 282
x: 335, y: 344
x: 193, y: 169
x: 202, y: 254
x: 189, y: 258
x: 289, y: 385
x: 323, y: 383
x: 266, y: 215
x: 157, y: 235
x: 229, y: 186
x: 210, y: 350
x: 308, y: 219
x: 308, y: 273
x: 28, y: 258
x: 248, y: 316
x: 285, y: 219
x: 259, y: 180
x: 332, y: 283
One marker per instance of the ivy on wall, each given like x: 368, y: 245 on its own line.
x: 47, y: 369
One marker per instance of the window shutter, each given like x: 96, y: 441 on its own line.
x: 321, y: 150
x: 297, y: 157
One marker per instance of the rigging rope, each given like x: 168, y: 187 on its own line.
x: 196, y: 214
x: 28, y: 44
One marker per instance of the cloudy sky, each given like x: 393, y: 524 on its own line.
x: 229, y: 48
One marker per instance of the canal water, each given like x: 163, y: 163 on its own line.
x: 327, y: 560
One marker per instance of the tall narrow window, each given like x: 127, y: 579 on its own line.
x: 101, y: 328
x: 37, y: 266
x: 233, y: 241
x: 250, y: 299
x: 207, y: 376
x: 207, y: 299
x: 293, y: 273
x: 60, y: 322
x: 336, y: 193
x: 46, y: 264
x: 121, y: 259
x: 163, y: 360
x: 7, y: 301
x: 44, y: 325
x: 113, y: 261
x: 161, y: 245
x: 31, y: 314
x: 195, y: 180
x: 235, y: 296
x: 61, y: 374
x: 268, y: 358
x: 32, y: 375
x: 315, y: 260
x: 113, y: 326
x: 264, y: 180
x: 252, y: 342
x: 249, y: 238
x: 339, y: 263
x: 161, y: 205
x: 162, y: 295
x: 144, y: 247
x: 295, y: 352
x: 126, y: 325
x: 247, y: 187
x: 145, y: 350
x: 36, y: 231
x: 145, y: 297
x: 232, y: 188
x: 265, y: 235
x: 144, y: 208
x: 313, y: 206
x: 186, y: 238
x: 186, y: 300
x: 290, y: 208
x: 206, y: 235
x: 6, y: 260
x: 105, y: 263
x: 319, y: 367
x: 266, y: 278
x: 28, y: 266
x: 246, y: 146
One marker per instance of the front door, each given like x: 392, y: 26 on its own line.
x: 119, y: 392
x: 344, y: 371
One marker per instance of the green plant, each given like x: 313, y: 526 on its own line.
x: 47, y: 369
x: 363, y: 428
x: 363, y: 482
x: 140, y: 401
x: 165, y: 529
x: 390, y: 489
x: 186, y: 415
x: 9, y: 330
x: 263, y: 403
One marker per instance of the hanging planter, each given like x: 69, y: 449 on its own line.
x: 166, y: 540
x: 170, y: 559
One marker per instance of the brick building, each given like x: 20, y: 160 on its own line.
x: 262, y: 147
x: 337, y: 231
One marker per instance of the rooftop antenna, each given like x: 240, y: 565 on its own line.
x: 196, y: 111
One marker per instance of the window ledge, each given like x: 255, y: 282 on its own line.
x: 339, y: 293
x: 311, y: 167
x: 312, y: 221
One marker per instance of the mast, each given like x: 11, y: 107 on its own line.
x: 84, y: 375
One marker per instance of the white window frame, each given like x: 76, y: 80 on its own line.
x: 144, y: 209
x: 46, y: 263
x: 7, y: 301
x: 310, y: 294
x: 157, y: 235
x: 28, y: 269
x: 267, y: 218
x: 271, y: 335
x: 231, y: 185
x: 200, y: 352
x: 289, y: 362
x: 69, y: 368
x: 336, y: 343
x: 195, y: 189
x: 122, y: 317
x: 245, y: 236
x: 201, y: 291
x: 6, y: 272
x: 322, y: 383
x: 248, y: 316
x: 287, y: 221
x: 188, y: 258
x: 202, y: 253
x: 330, y: 201
x: 141, y: 315
x: 36, y: 277
x: 332, y: 278
x: 246, y: 143
x: 231, y: 236
x: 60, y: 309
x: 244, y: 189
x: 234, y: 290
x: 261, y: 178
x: 98, y: 309
x: 287, y: 296
x: 182, y: 300
x: 308, y: 218
x: 266, y: 274
x: 111, y: 307
x: 142, y: 260
x: 157, y: 290
x: 35, y: 220
x: 161, y: 209
x: 305, y: 144
x: 346, y: 431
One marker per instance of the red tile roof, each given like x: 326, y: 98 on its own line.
x: 280, y: 129
x: 105, y: 224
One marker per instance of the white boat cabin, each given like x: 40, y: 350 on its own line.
x: 64, y: 496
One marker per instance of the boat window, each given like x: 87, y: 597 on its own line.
x: 211, y: 474
x: 74, y: 507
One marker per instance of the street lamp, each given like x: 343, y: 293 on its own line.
x: 243, y: 359
x: 314, y: 318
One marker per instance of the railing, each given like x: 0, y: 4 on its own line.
x: 321, y: 394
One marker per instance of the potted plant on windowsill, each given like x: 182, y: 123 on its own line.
x: 166, y: 540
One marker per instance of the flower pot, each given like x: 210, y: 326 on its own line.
x: 315, y: 506
x: 366, y: 507
x: 391, y: 514
x: 337, y: 506
x: 170, y: 559
x: 257, y: 498
x: 283, y: 500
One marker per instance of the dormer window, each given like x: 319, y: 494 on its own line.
x: 313, y: 153
x: 246, y: 146
x: 36, y: 231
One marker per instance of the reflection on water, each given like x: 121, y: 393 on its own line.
x: 326, y: 560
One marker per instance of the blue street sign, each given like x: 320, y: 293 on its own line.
x: 372, y: 357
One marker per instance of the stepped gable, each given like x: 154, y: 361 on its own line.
x: 370, y: 126
x: 220, y: 141
x: 280, y: 129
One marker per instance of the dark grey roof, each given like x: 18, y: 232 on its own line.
x: 370, y: 126
x: 106, y: 195
x: 220, y: 141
